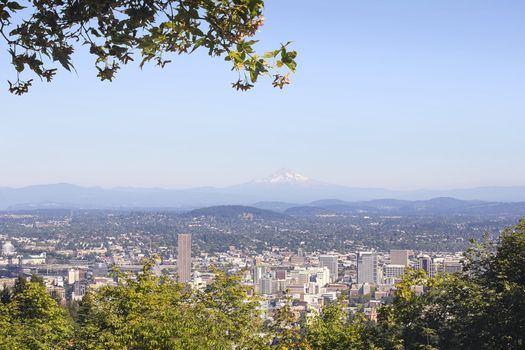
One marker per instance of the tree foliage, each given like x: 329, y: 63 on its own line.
x: 154, y: 312
x: 43, y: 34
x: 481, y: 308
x: 285, y: 330
x: 335, y: 329
x: 31, y: 319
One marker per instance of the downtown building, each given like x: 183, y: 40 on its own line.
x: 368, y: 270
x: 399, y: 257
x: 330, y: 261
x: 426, y: 263
x: 184, y: 257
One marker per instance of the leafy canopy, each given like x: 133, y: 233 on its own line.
x: 483, y: 307
x: 42, y: 34
x: 146, y: 311
x: 31, y: 319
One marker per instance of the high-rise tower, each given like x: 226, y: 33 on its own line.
x: 425, y: 262
x: 330, y: 261
x: 184, y: 257
x: 367, y: 268
x: 399, y: 257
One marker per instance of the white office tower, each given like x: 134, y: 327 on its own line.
x: 258, y: 272
x: 322, y: 275
x: 452, y: 266
x: 266, y: 284
x: 394, y: 271
x: 330, y: 261
x: 73, y: 275
x: 438, y: 265
x: 399, y: 257
x: 8, y: 249
x: 367, y: 268
x: 424, y: 262
x: 303, y: 276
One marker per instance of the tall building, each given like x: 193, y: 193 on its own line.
x: 73, y: 276
x: 259, y: 271
x: 280, y: 274
x: 394, y: 271
x: 297, y: 260
x: 322, y: 275
x: 8, y: 249
x: 399, y: 257
x: 452, y: 266
x: 266, y: 284
x: 184, y: 257
x: 424, y: 262
x: 367, y: 268
x: 330, y: 261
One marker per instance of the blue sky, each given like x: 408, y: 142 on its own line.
x: 396, y: 94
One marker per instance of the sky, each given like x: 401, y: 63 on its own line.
x: 394, y: 94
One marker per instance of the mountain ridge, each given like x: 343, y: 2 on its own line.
x: 285, y: 186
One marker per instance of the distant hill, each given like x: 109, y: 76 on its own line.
x: 236, y: 212
x: 305, y: 211
x: 275, y: 206
x: 277, y: 192
x: 435, y: 206
x: 72, y: 196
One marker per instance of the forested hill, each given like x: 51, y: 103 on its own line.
x: 234, y: 212
x: 435, y: 206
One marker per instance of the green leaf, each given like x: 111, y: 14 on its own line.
x: 15, y: 6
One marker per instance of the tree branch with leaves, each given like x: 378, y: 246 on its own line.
x: 43, y: 34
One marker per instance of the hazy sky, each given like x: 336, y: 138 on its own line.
x: 397, y: 94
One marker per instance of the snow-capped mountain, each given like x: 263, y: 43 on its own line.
x: 286, y: 176
x: 288, y: 185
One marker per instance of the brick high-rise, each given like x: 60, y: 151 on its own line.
x: 184, y: 257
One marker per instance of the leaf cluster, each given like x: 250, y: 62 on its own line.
x: 41, y: 34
